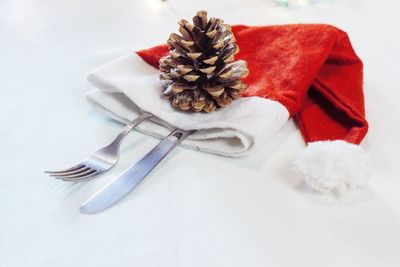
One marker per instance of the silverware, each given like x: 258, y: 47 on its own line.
x: 119, y: 187
x: 100, y: 161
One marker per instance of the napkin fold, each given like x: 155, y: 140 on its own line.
x: 127, y: 87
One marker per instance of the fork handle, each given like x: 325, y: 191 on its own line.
x: 129, y: 127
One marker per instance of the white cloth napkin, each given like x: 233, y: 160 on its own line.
x: 128, y: 86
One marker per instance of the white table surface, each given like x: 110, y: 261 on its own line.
x: 195, y: 209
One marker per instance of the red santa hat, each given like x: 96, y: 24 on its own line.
x: 313, y: 71
x: 307, y: 72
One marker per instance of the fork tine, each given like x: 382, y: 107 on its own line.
x: 76, y: 175
x: 74, y: 168
x: 86, y: 177
x: 65, y: 174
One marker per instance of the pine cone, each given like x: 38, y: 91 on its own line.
x: 199, y: 73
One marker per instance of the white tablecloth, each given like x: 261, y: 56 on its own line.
x: 195, y: 209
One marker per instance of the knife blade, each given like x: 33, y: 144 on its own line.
x: 119, y: 187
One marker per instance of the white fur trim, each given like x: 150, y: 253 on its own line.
x: 333, y: 166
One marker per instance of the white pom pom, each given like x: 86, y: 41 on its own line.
x: 333, y: 166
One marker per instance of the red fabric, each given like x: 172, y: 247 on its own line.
x: 311, y: 69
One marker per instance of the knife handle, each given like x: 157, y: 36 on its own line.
x: 179, y: 135
x: 148, y: 162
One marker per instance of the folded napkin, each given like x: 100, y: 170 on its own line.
x: 128, y: 86
x: 306, y: 72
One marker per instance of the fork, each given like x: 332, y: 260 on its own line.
x: 100, y: 161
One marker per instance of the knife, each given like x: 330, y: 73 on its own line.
x: 119, y: 187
